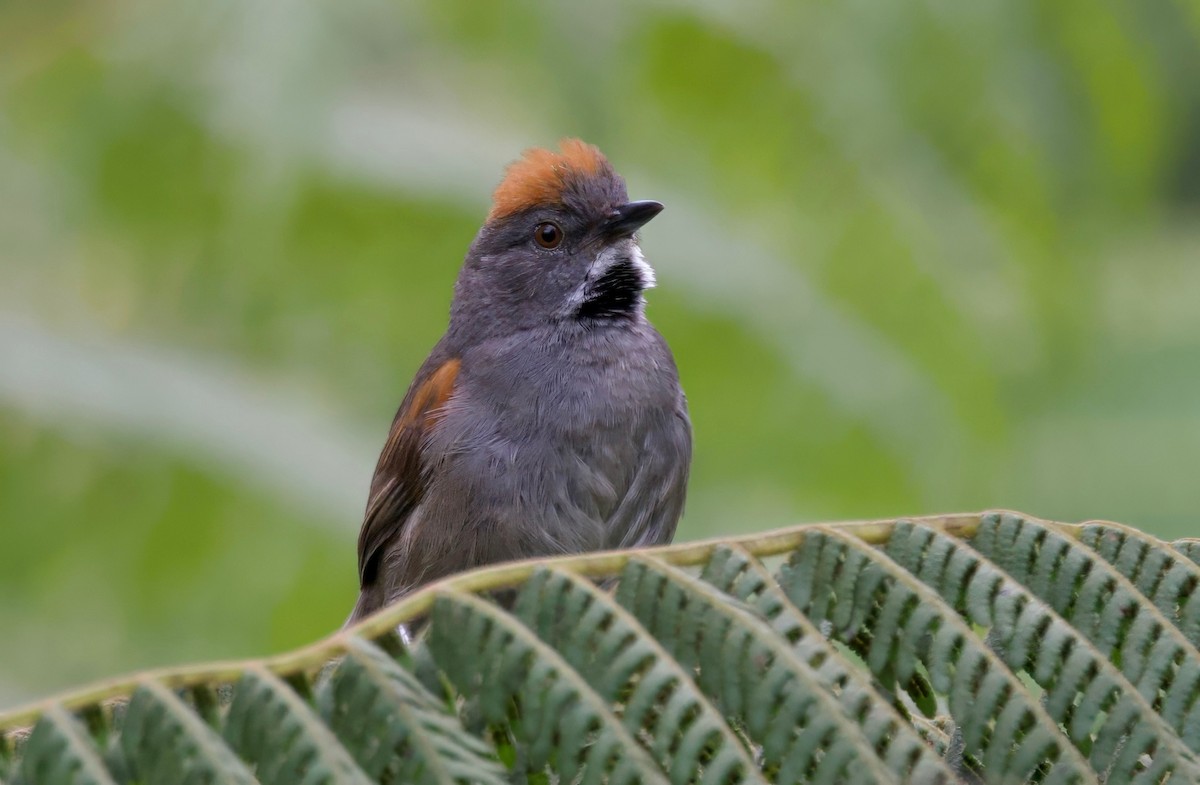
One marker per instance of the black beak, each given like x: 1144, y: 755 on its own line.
x: 628, y: 218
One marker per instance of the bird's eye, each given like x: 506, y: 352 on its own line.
x: 548, y: 235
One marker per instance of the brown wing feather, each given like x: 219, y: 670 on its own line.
x: 399, y: 483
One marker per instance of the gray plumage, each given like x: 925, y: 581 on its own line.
x: 549, y: 419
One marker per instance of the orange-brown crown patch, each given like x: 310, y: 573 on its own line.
x: 541, y: 175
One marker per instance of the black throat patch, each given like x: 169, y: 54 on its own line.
x: 614, y: 295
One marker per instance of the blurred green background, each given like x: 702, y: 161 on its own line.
x: 918, y: 257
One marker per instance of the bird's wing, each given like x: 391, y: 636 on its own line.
x: 399, y: 481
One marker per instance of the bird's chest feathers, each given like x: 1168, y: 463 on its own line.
x: 575, y: 388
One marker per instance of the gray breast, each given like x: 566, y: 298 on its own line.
x: 545, y: 440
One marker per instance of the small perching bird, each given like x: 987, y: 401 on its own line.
x: 549, y: 418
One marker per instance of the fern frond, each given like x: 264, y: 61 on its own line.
x: 392, y: 725
x: 870, y: 601
x: 558, y: 717
x: 166, y: 741
x: 1086, y: 694
x: 1101, y: 603
x: 950, y: 649
x: 60, y: 751
x: 281, y: 734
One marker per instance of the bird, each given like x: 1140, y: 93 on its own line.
x: 549, y: 419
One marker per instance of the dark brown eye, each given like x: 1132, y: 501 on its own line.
x: 548, y: 235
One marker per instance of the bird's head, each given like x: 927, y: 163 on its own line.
x: 558, y: 245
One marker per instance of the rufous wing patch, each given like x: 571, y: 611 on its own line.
x: 539, y: 177
x: 424, y: 406
x: 432, y: 395
x: 398, y: 485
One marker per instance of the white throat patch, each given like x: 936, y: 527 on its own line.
x: 630, y: 255
x: 643, y: 267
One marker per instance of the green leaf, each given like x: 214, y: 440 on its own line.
x: 610, y: 648
x: 280, y: 733
x: 390, y: 723
x: 560, y: 719
x: 967, y: 648
x: 832, y: 577
x: 60, y: 752
x: 166, y: 741
x: 1159, y: 572
x: 736, y: 572
x: 753, y: 675
x: 1084, y: 692
x: 1102, y: 605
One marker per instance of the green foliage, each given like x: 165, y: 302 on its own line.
x: 990, y: 648
x: 282, y: 735
x: 164, y: 740
x: 925, y: 256
x: 60, y: 751
x: 396, y: 729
